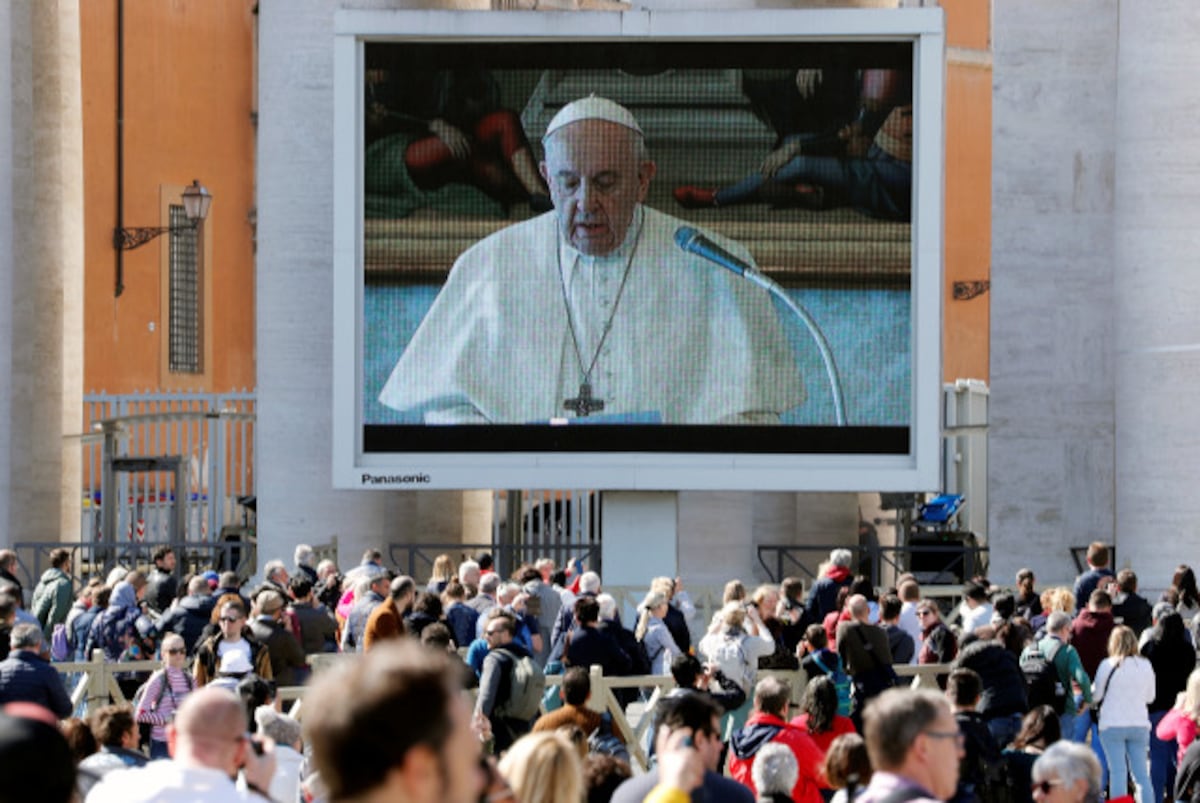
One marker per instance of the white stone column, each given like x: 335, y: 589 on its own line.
x: 1157, y: 288
x: 1050, y: 435
x: 41, y: 260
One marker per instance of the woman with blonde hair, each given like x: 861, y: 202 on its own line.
x: 680, y: 610
x: 736, y: 652
x: 1123, y: 689
x: 443, y: 573
x: 1181, y: 722
x: 652, y: 632
x: 543, y: 768
x: 734, y: 591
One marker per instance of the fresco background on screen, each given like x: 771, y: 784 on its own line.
x: 845, y: 257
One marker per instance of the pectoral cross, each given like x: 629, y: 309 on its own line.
x: 584, y: 404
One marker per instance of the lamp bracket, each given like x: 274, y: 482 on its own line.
x: 131, y: 238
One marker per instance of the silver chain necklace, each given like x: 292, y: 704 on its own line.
x: 583, y: 404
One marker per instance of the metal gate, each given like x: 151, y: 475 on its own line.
x: 530, y: 524
x: 211, y: 435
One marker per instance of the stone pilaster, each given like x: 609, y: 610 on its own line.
x: 41, y: 260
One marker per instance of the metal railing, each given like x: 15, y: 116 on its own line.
x: 97, y: 560
x: 941, y: 563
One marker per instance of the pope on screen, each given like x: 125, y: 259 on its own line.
x: 592, y: 310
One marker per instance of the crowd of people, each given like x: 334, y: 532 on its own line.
x: 1067, y: 694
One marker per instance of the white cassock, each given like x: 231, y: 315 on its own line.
x: 690, y: 343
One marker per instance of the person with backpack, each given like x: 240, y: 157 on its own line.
x: 817, y: 660
x: 731, y: 648
x: 1050, y: 666
x: 115, y: 631
x: 863, y: 648
x: 510, y: 685
x: 156, y: 702
x: 653, y: 634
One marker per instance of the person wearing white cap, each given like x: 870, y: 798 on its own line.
x: 593, y: 310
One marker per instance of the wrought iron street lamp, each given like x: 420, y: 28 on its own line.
x: 196, y: 200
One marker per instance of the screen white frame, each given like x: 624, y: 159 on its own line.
x: 919, y: 470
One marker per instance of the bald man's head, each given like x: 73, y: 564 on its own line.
x: 209, y: 730
x: 860, y: 609
x: 209, y: 713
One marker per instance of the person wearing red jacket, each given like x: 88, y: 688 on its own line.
x: 767, y: 725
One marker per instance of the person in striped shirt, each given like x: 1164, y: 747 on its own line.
x: 163, y: 694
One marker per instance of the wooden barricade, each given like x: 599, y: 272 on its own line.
x: 97, y: 683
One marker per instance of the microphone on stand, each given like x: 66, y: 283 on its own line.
x: 690, y: 240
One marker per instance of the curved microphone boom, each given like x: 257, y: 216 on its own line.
x: 692, y: 241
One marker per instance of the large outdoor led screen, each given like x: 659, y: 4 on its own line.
x: 638, y: 250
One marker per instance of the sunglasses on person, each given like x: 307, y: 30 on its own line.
x: 924, y: 612
x: 176, y: 651
x: 231, y: 619
x: 1044, y: 786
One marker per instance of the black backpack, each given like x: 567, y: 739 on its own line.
x: 1043, y: 685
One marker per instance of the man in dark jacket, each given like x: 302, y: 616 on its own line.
x: 1002, y: 691
x: 26, y: 675
x: 823, y: 597
x: 587, y: 646
x: 981, y: 764
x: 461, y: 618
x: 288, y: 666
x: 193, y: 613
x: 863, y: 648
x: 1130, y: 608
x: 610, y: 625
x: 494, y: 681
x: 318, y: 628
x: 162, y: 585
x: 229, y: 586
x: 1086, y: 583
x: 904, y: 648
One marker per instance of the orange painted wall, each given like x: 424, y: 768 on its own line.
x: 189, y: 95
x: 968, y: 212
